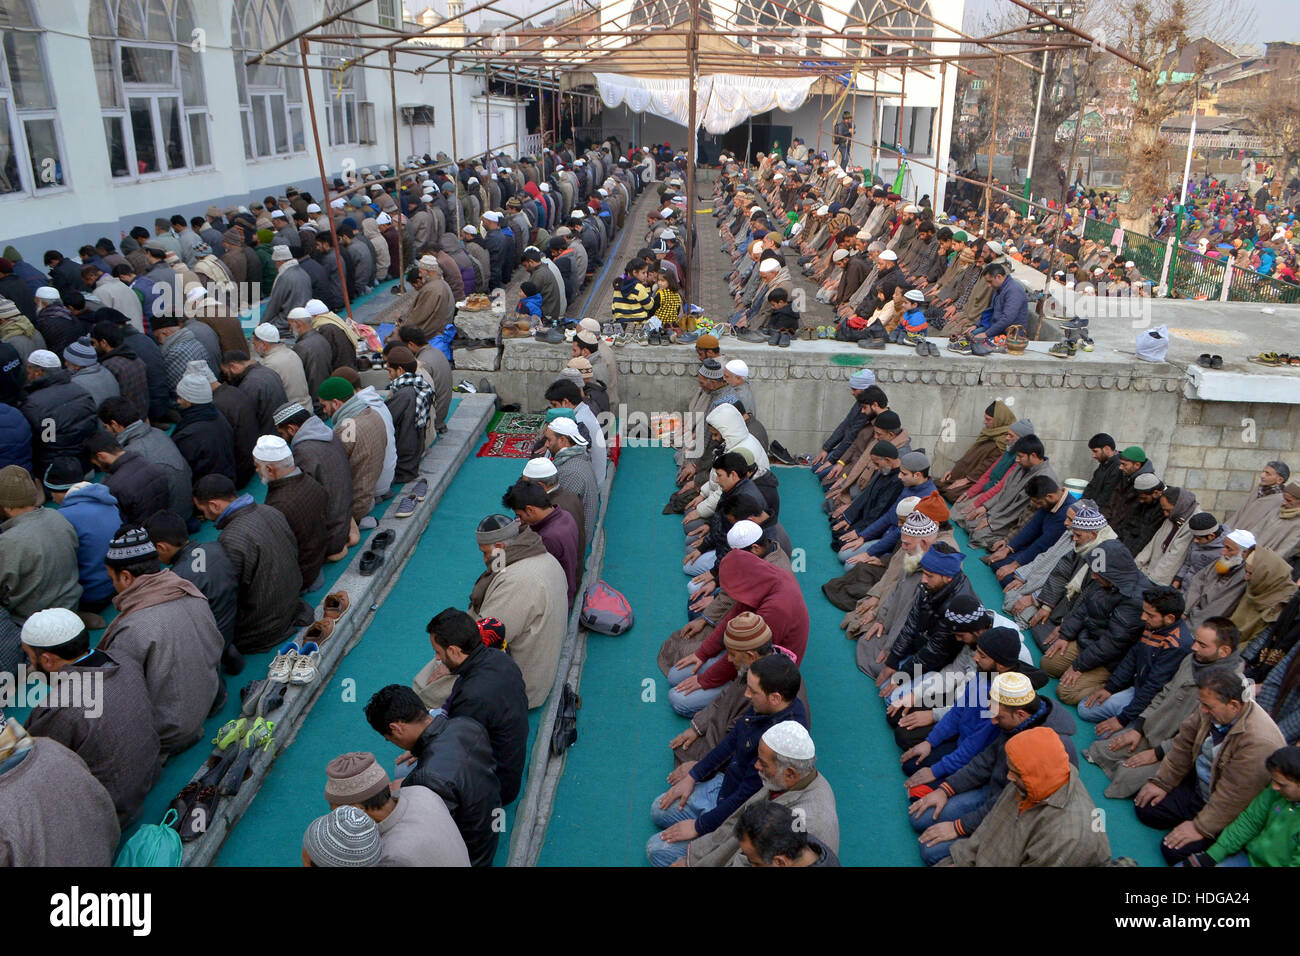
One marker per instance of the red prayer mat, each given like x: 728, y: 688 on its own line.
x: 501, y: 445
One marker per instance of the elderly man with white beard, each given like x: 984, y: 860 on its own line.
x: 787, y: 767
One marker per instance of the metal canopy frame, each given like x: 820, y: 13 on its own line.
x: 525, y: 54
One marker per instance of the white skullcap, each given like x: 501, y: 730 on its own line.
x: 743, y: 534
x: 864, y: 233
x: 796, y: 229
x: 51, y: 627
x: 472, y: 230
x: 540, y: 468
x: 429, y: 262
x: 47, y: 293
x: 316, y: 307
x: 299, y: 315
x: 427, y: 197
x: 790, y: 739
x: 603, y: 192
x: 907, y: 506
x: 756, y: 245
x: 337, y: 203
x: 545, y: 187
x: 280, y: 254
x: 313, y: 207
x: 472, y: 181
x: 912, y: 209
x: 994, y: 246
x: 1130, y: 264
x: 198, y: 292
x: 194, y: 388
x: 577, y: 214
x: 568, y: 428
x: 737, y: 367
x: 267, y: 333
x: 768, y: 265
x: 277, y: 214
x: 492, y: 216
x: 778, y: 176
x: 667, y: 234
x: 44, y: 358
x: 839, y: 255
x: 1241, y: 537
x: 383, y: 219
x: 823, y: 210
x: 271, y: 448
x: 889, y: 255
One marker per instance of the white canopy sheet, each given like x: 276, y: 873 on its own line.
x: 723, y: 100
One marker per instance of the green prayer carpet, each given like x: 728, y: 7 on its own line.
x: 621, y: 759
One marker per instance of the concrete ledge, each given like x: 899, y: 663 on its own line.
x: 545, y: 769
x: 365, y: 593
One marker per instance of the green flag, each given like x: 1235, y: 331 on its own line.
x: 898, y: 180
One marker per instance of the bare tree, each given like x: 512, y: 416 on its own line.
x: 1156, y: 32
x: 1276, y: 114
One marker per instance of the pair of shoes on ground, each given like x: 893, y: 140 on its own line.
x: 926, y: 348
x: 295, y: 663
x: 779, y: 339
x: 418, y: 491
x: 373, y: 556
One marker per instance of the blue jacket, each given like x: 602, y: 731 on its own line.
x: 92, y: 511
x: 1148, y: 666
x: 740, y: 747
x: 1043, y: 530
x: 15, y: 438
x: 966, y: 720
x: 885, y: 530
x: 1010, y: 306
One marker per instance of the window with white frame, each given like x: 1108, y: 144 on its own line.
x: 387, y: 13
x: 344, y: 86
x: 146, y: 56
x: 270, y: 92
x: 31, y: 154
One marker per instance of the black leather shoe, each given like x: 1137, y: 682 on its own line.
x: 370, y: 561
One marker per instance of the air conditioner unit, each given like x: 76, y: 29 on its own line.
x: 417, y: 115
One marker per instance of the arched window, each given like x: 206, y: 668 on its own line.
x: 270, y: 93
x: 350, y: 119
x: 146, y: 55
x: 31, y: 157
x: 795, y: 25
x: 889, y: 17
x: 667, y: 13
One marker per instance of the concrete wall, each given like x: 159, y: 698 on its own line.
x: 800, y: 398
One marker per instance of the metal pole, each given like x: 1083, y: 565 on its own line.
x: 541, y: 120
x: 898, y: 125
x: 320, y: 162
x: 1074, y: 145
x: 1191, y: 140
x: 397, y: 163
x: 1033, y: 140
x: 693, y: 54
x: 993, y: 140
x: 875, y: 136
x: 938, y: 137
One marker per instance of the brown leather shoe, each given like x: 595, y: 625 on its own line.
x: 335, y: 605
x: 319, y: 631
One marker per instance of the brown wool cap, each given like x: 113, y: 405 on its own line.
x: 354, y: 778
x: 746, y: 632
x: 17, y: 489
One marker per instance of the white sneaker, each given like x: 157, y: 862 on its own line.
x: 283, y: 665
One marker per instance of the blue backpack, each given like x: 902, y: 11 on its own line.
x: 154, y: 844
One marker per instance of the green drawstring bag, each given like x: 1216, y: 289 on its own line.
x: 156, y: 844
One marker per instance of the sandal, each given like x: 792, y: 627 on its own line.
x: 336, y: 605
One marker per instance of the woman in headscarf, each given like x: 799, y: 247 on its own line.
x: 1273, y: 662
x: 1163, y: 555
x: 989, y: 444
x: 1273, y: 643
x: 1268, y: 588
